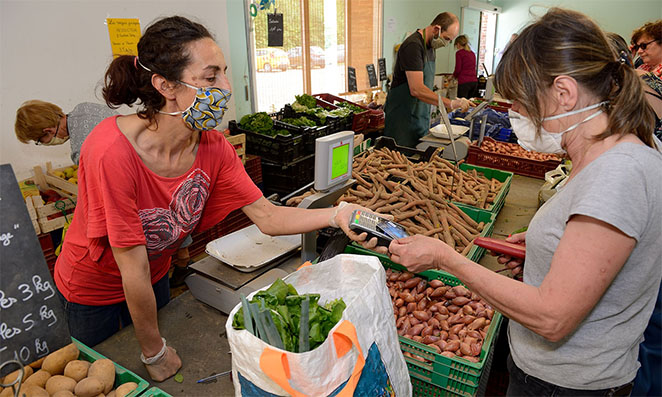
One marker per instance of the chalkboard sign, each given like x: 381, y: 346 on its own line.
x: 372, y: 75
x: 275, y: 26
x: 32, y: 322
x: 382, y: 69
x: 351, y: 79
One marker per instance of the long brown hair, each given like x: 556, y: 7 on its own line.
x: 569, y: 43
x: 163, y: 50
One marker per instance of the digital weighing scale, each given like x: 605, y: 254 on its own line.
x: 247, y: 260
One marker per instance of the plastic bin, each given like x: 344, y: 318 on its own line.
x: 505, y: 177
x: 442, y: 375
x: 517, y: 165
x: 286, y: 178
x: 155, y: 392
x: 360, y: 120
x: 279, y: 149
x: 475, y: 253
x: 122, y: 375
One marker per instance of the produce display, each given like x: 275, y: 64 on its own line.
x: 62, y: 374
x: 451, y: 320
x: 70, y: 174
x: 286, y: 320
x: 261, y: 123
x: 302, y: 121
x: 308, y: 104
x: 416, y: 195
x: 512, y: 149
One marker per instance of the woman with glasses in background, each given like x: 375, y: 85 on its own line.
x: 46, y: 124
x: 647, y: 44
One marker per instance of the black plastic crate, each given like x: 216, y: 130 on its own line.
x: 278, y: 149
x: 286, y: 178
x: 310, y: 134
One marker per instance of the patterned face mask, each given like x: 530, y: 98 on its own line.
x: 207, y: 110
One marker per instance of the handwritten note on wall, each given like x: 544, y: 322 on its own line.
x: 32, y: 321
x: 124, y: 35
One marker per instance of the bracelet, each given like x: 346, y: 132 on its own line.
x: 157, y: 357
x: 332, y: 220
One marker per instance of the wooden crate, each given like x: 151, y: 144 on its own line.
x: 239, y: 143
x: 61, y: 183
x: 45, y: 211
x: 29, y: 204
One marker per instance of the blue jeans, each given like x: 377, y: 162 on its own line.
x: 522, y: 384
x: 648, y: 382
x: 94, y: 324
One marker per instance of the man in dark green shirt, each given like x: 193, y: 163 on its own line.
x: 407, y: 107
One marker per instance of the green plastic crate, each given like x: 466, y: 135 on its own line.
x: 475, y: 253
x: 122, y: 375
x: 461, y: 376
x: 504, y: 177
x: 156, y: 392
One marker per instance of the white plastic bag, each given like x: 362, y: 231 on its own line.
x: 361, y: 355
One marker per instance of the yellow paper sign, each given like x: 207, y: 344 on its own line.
x: 124, y: 35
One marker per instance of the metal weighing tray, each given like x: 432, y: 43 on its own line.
x: 249, y: 249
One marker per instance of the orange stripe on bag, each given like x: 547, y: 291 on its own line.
x: 274, y: 363
x: 305, y: 264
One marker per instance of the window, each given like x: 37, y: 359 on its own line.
x: 313, y: 56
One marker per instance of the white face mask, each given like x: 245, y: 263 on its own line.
x: 546, y: 142
x: 56, y: 140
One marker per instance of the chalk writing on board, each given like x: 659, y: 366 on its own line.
x: 275, y: 30
x: 32, y: 320
x: 372, y: 75
x: 6, y: 238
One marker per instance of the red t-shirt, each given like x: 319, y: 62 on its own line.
x: 122, y: 203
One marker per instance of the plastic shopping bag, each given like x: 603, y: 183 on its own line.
x: 361, y: 355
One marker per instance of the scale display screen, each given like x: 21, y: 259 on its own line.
x: 333, y: 159
x: 339, y: 161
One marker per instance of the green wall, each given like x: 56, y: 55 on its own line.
x: 620, y: 16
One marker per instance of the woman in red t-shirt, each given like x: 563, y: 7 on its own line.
x: 147, y: 180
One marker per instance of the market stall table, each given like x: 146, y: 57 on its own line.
x: 197, y: 330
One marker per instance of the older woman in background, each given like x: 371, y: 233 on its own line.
x: 647, y: 43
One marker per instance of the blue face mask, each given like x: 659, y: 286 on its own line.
x: 208, y: 108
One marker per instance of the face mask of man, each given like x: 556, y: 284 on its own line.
x: 438, y: 42
x: 208, y: 108
x: 546, y: 142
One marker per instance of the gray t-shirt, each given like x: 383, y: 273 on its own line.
x: 81, y: 121
x: 623, y: 188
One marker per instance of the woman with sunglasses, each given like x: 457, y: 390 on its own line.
x: 647, y: 43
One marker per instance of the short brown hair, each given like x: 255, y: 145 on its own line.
x: 652, y: 29
x: 574, y: 46
x: 33, y: 116
x: 444, y: 20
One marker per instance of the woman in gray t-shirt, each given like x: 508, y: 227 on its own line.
x: 593, y: 252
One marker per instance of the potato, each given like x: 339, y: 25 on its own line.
x: 104, y: 370
x: 64, y: 393
x: 12, y: 376
x: 56, y: 361
x: 39, y: 378
x: 77, y: 369
x: 89, y: 387
x: 33, y: 391
x: 111, y: 394
x: 37, y: 364
x: 125, y: 389
x: 59, y: 382
x: 7, y: 392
